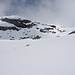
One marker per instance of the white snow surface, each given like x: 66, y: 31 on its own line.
x: 46, y: 56
x: 12, y: 17
x: 49, y: 56
x: 5, y: 24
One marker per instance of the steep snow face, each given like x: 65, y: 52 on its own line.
x: 14, y: 27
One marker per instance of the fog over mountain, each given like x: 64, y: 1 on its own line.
x: 37, y: 37
x: 60, y: 12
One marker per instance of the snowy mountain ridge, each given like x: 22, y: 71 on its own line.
x: 53, y: 55
x: 15, y: 27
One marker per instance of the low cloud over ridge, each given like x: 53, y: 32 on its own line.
x: 47, y: 11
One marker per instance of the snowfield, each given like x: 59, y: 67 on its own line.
x: 32, y: 48
x: 49, y: 56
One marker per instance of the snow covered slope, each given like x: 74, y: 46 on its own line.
x: 13, y: 27
x: 49, y: 56
x: 53, y: 55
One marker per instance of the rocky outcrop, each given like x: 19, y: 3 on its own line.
x: 8, y: 28
x: 19, y: 22
x: 73, y: 32
x: 23, y: 29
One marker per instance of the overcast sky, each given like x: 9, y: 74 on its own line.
x: 60, y: 12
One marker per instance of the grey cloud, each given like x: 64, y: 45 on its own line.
x: 60, y: 12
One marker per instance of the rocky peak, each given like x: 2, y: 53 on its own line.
x: 20, y: 28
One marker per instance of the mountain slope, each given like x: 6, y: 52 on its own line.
x: 48, y: 56
x: 12, y: 27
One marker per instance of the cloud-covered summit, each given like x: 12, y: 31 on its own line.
x: 48, y: 11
